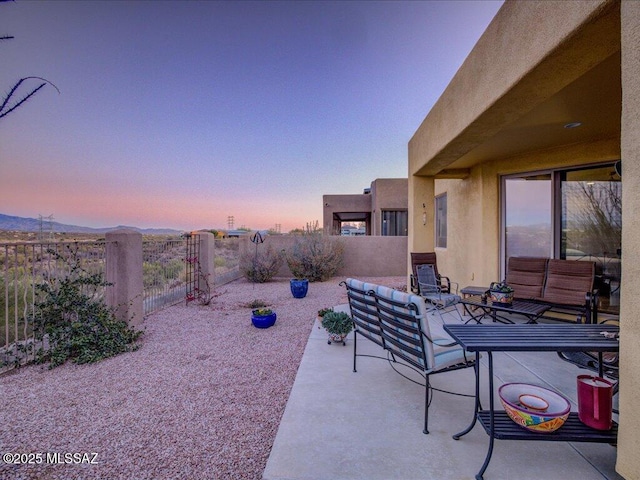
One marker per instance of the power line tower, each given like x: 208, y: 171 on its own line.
x: 278, y: 228
x: 43, y: 234
x: 230, y: 221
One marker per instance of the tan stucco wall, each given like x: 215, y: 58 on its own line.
x: 472, y: 256
x: 628, y: 463
x: 342, y: 203
x: 511, y: 69
x: 387, y: 194
x: 364, y: 256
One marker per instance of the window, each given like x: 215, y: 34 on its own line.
x: 441, y: 221
x: 573, y: 214
x: 527, y: 216
x: 394, y: 223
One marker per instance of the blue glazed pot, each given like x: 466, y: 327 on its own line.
x: 299, y: 287
x: 263, y: 321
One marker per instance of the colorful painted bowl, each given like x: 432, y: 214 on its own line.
x: 550, y: 409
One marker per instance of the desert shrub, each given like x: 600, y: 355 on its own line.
x: 73, y: 318
x: 315, y: 256
x: 253, y: 304
x: 261, y: 265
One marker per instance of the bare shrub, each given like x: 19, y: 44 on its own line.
x: 261, y: 266
x: 315, y: 256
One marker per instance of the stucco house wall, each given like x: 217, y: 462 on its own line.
x: 384, y: 194
x: 629, y: 432
x: 333, y: 205
x: 387, y: 194
x: 475, y: 133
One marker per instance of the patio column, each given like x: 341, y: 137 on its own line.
x: 628, y: 462
x: 421, y: 216
x: 124, y: 270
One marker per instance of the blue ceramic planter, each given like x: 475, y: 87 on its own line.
x: 299, y: 287
x: 263, y: 321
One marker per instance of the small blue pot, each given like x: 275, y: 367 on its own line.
x: 299, y: 287
x: 263, y: 321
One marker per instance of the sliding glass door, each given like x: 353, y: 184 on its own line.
x: 528, y: 216
x: 591, y: 216
x: 569, y: 214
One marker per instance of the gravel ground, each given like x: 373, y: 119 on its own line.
x: 201, y: 399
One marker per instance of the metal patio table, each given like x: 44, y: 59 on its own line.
x: 527, y: 308
x: 531, y: 338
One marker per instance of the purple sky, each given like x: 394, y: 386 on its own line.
x: 180, y: 114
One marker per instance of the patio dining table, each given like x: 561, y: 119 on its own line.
x: 531, y: 338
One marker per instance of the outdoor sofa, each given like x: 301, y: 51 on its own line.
x: 566, y: 285
x: 399, y: 323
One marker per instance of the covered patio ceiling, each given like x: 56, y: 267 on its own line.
x: 594, y: 101
x: 352, y: 216
x: 578, y: 82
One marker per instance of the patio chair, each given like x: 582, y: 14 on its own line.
x: 430, y: 289
x: 423, y: 258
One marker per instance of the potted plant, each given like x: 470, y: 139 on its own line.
x: 500, y: 292
x: 322, y: 312
x: 299, y: 287
x: 263, y: 317
x: 338, y: 325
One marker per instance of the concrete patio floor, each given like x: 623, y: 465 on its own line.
x: 368, y: 425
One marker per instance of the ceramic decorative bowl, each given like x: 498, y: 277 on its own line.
x: 535, y: 408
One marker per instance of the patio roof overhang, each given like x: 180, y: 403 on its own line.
x: 510, y: 98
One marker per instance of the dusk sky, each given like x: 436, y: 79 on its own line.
x: 180, y: 114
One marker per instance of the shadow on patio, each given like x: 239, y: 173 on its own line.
x: 368, y: 425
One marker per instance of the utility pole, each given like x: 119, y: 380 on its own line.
x: 41, y: 235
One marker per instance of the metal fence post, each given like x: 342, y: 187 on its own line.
x: 124, y: 270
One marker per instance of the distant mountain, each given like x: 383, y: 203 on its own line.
x: 22, y: 224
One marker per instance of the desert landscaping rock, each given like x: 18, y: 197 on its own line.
x: 201, y: 399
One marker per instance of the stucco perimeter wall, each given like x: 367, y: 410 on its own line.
x: 472, y: 256
x: 363, y: 256
x: 628, y: 464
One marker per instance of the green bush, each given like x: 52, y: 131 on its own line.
x: 71, y: 316
x: 315, y: 256
x: 262, y: 265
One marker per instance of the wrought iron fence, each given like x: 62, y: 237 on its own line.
x: 164, y: 274
x: 23, y: 266
x: 227, y: 260
x: 167, y: 277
